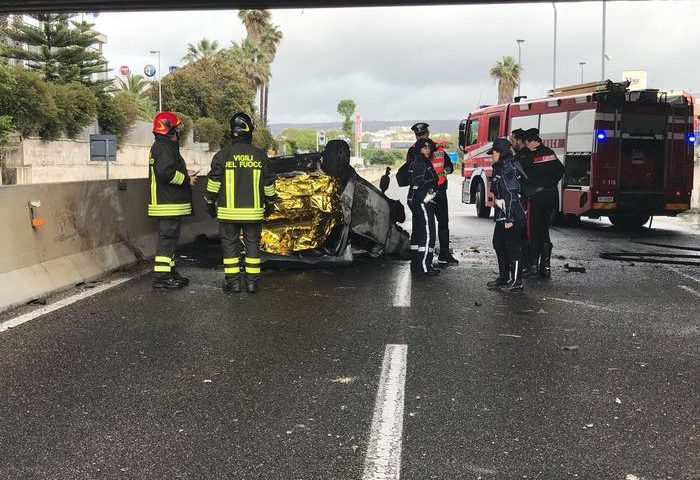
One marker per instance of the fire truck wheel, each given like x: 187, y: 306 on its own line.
x: 628, y: 222
x: 482, y: 211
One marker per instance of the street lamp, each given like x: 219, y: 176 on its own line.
x: 160, y: 93
x: 582, y: 64
x: 554, y: 56
x: 602, y: 54
x: 520, y: 40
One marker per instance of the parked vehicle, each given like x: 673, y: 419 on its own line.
x: 628, y: 155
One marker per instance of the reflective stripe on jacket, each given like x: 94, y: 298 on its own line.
x: 170, y: 192
x: 239, y: 182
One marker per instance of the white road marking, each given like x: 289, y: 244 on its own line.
x: 383, y: 461
x: 584, y: 304
x: 60, y: 304
x: 402, y: 297
x: 690, y: 290
x: 683, y: 274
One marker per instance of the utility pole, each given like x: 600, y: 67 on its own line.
x: 519, y: 62
x: 160, y: 92
x: 602, y: 55
x: 582, y: 64
x: 554, y: 56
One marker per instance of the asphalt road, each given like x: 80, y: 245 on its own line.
x: 589, y: 375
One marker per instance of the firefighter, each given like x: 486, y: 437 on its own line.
x: 240, y: 190
x: 171, y: 196
x: 443, y: 167
x: 544, y: 170
x: 510, y: 217
x: 421, y: 201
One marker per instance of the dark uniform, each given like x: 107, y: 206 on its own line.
x: 522, y: 157
x: 423, y: 184
x: 442, y: 164
x: 170, y: 198
x: 506, y: 187
x: 241, y: 186
x: 544, y: 170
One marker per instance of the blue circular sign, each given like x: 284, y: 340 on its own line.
x: 149, y: 70
x: 172, y: 68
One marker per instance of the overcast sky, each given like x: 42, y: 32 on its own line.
x: 427, y: 62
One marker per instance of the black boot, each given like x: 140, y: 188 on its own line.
x: 232, y: 283
x: 503, y: 277
x: 545, y: 267
x: 516, y: 282
x: 530, y: 267
x: 166, y: 280
x: 184, y: 280
x: 445, y: 258
x: 251, y: 283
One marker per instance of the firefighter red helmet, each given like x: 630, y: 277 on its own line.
x: 164, y: 122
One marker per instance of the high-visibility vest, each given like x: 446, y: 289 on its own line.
x: 438, y: 162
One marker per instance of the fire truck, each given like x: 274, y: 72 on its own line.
x: 628, y: 155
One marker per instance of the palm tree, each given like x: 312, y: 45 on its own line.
x: 269, y: 41
x: 254, y: 22
x: 507, y: 72
x: 136, y: 85
x: 204, y: 49
x: 249, y: 57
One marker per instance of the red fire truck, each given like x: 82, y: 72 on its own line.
x: 627, y: 155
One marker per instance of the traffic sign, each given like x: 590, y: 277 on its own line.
x: 149, y: 70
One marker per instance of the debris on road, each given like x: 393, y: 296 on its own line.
x: 477, y: 304
x: 509, y: 335
x: 569, y: 268
x: 343, y: 380
x: 569, y: 348
x: 631, y: 477
x: 618, y: 401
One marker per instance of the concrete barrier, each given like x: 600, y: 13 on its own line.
x: 89, y: 229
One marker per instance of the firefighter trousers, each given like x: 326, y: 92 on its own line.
x: 542, y: 205
x: 168, y: 235
x: 507, y: 242
x: 233, y: 248
x: 443, y: 221
x: 422, y: 236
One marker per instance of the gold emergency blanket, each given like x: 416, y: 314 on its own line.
x: 307, y: 209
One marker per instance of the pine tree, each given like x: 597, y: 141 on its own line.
x: 58, y: 47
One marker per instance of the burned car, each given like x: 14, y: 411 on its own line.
x: 325, y: 211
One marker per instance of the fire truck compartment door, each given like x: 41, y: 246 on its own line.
x: 642, y: 164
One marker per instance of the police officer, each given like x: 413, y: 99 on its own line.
x: 510, y: 217
x: 522, y: 157
x: 421, y: 201
x: 170, y: 196
x: 240, y: 189
x: 544, y: 170
x: 443, y: 167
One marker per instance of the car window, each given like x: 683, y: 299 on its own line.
x: 494, y: 127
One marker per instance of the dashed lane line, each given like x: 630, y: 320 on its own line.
x: 402, y: 297
x: 683, y: 274
x: 60, y: 304
x: 383, y: 460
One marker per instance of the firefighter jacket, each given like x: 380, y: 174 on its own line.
x: 171, y: 195
x: 240, y: 182
x: 441, y: 163
x: 543, y: 169
x: 506, y: 186
x: 423, y: 179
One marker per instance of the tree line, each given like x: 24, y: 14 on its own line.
x: 59, y: 82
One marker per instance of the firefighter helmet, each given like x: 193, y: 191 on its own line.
x: 165, y: 122
x: 241, y: 125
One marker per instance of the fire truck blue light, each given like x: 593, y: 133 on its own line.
x: 601, y: 135
x: 692, y: 138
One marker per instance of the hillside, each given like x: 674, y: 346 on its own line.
x: 436, y: 126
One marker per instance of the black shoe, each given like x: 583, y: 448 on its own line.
x: 232, y: 284
x: 175, y: 274
x: 167, y: 281
x: 529, y: 272
x: 512, y: 286
x: 447, y: 259
x: 500, y: 281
